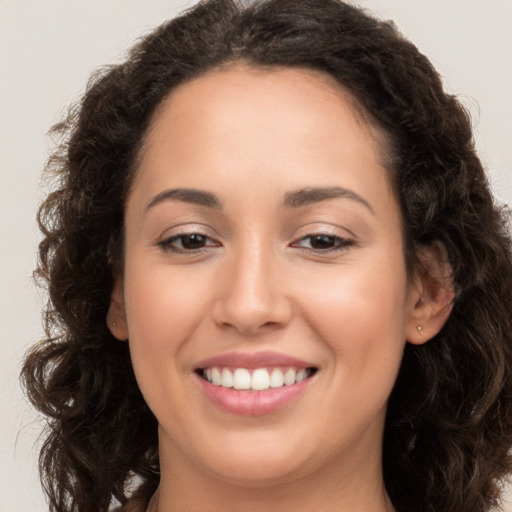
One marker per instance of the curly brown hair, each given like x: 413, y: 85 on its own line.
x: 449, y: 425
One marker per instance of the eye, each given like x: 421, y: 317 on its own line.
x: 323, y: 243
x: 187, y: 242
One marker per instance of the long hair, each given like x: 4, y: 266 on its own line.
x: 449, y: 423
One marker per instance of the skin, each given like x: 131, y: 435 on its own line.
x: 259, y: 283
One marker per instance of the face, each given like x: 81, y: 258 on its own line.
x: 264, y: 251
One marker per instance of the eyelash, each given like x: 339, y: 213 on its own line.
x: 168, y: 244
x: 340, y: 244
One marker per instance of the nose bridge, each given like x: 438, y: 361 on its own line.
x: 254, y: 281
x: 253, y: 296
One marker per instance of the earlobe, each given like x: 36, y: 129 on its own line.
x: 432, y: 296
x: 116, y: 316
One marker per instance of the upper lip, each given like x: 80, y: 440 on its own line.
x: 253, y: 360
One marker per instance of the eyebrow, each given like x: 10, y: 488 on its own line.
x: 187, y: 195
x: 295, y: 199
x: 311, y: 195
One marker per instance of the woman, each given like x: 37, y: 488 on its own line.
x: 277, y: 277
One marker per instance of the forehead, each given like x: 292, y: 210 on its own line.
x: 270, y: 123
x: 235, y: 98
x: 235, y: 94
x: 253, y: 136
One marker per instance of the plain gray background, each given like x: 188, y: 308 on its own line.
x: 48, y: 48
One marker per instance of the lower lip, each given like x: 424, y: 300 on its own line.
x: 253, y: 403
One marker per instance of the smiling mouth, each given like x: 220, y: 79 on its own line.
x: 258, y: 379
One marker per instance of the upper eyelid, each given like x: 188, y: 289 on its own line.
x: 188, y: 229
x: 325, y: 229
x: 171, y: 245
x: 308, y: 230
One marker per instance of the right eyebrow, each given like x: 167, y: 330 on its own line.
x: 187, y: 195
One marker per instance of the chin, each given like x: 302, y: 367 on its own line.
x: 256, y: 461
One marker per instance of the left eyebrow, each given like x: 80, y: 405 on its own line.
x: 186, y: 195
x: 310, y: 195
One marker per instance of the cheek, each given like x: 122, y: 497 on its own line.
x: 360, y: 314
x: 163, y: 309
x: 371, y: 297
x: 160, y: 301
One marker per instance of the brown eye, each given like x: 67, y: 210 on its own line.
x: 322, y: 241
x: 187, y: 242
x: 193, y: 241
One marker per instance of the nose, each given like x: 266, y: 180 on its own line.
x: 253, y: 295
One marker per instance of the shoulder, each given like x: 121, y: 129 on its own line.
x: 131, y: 506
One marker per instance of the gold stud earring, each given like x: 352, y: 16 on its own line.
x: 420, y: 329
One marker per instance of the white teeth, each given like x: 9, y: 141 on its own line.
x: 276, y: 378
x: 216, y: 377
x: 289, y: 377
x: 301, y: 375
x: 227, y: 379
x: 241, y: 379
x: 260, y: 380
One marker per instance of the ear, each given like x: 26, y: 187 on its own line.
x: 116, y: 316
x: 432, y: 294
